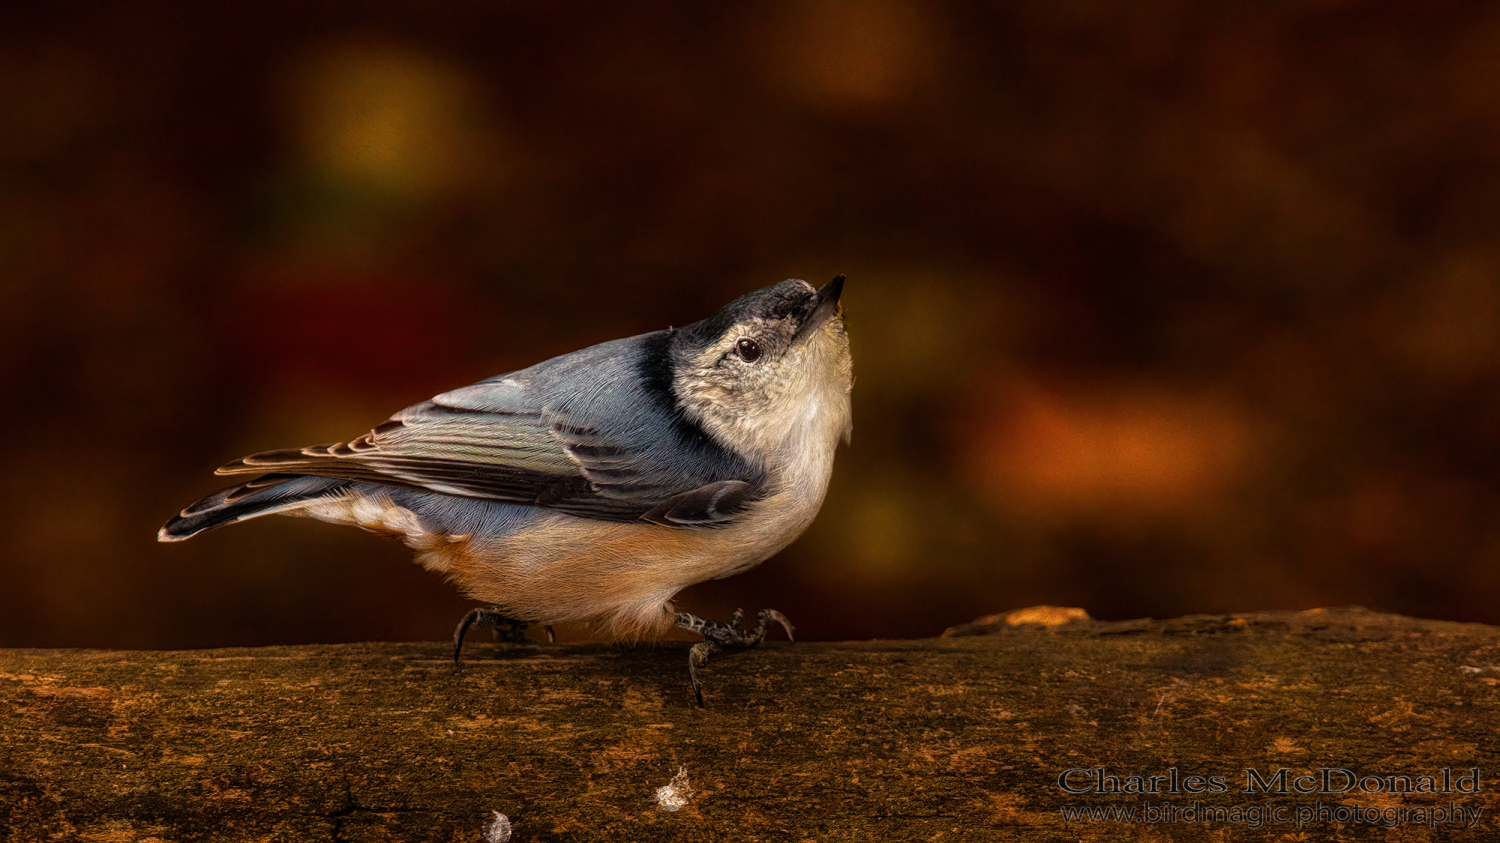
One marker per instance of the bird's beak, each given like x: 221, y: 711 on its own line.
x: 825, y: 306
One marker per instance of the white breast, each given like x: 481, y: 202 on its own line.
x: 799, y: 466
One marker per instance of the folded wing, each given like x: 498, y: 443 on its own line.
x: 585, y: 434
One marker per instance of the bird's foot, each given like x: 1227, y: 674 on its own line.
x: 507, y: 629
x: 720, y: 636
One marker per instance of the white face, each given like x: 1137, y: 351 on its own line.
x: 769, y: 393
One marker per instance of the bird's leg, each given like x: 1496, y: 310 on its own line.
x: 719, y: 636
x: 507, y: 629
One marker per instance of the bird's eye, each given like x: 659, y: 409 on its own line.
x: 748, y: 350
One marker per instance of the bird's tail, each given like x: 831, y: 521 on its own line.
x: 262, y: 496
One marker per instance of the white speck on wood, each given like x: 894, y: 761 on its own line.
x: 498, y: 830
x: 676, y: 793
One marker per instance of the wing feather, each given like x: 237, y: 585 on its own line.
x: 601, y: 449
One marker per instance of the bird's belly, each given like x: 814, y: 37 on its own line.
x: 550, y: 567
x: 565, y: 568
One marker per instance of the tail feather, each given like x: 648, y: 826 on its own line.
x: 262, y: 496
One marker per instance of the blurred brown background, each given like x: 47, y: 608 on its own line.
x: 1156, y: 307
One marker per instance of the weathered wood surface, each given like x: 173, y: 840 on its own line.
x: 958, y: 738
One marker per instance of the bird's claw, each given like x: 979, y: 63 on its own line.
x: 720, y: 636
x: 507, y: 629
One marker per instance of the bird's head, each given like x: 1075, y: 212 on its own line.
x: 770, y: 371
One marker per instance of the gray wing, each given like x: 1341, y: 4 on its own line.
x: 594, y: 433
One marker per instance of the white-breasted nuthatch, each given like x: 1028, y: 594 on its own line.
x: 598, y: 484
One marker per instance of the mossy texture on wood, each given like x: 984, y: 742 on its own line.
x: 955, y: 738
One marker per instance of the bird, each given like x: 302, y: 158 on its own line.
x: 596, y: 485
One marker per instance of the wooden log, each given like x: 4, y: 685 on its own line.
x: 971, y: 736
